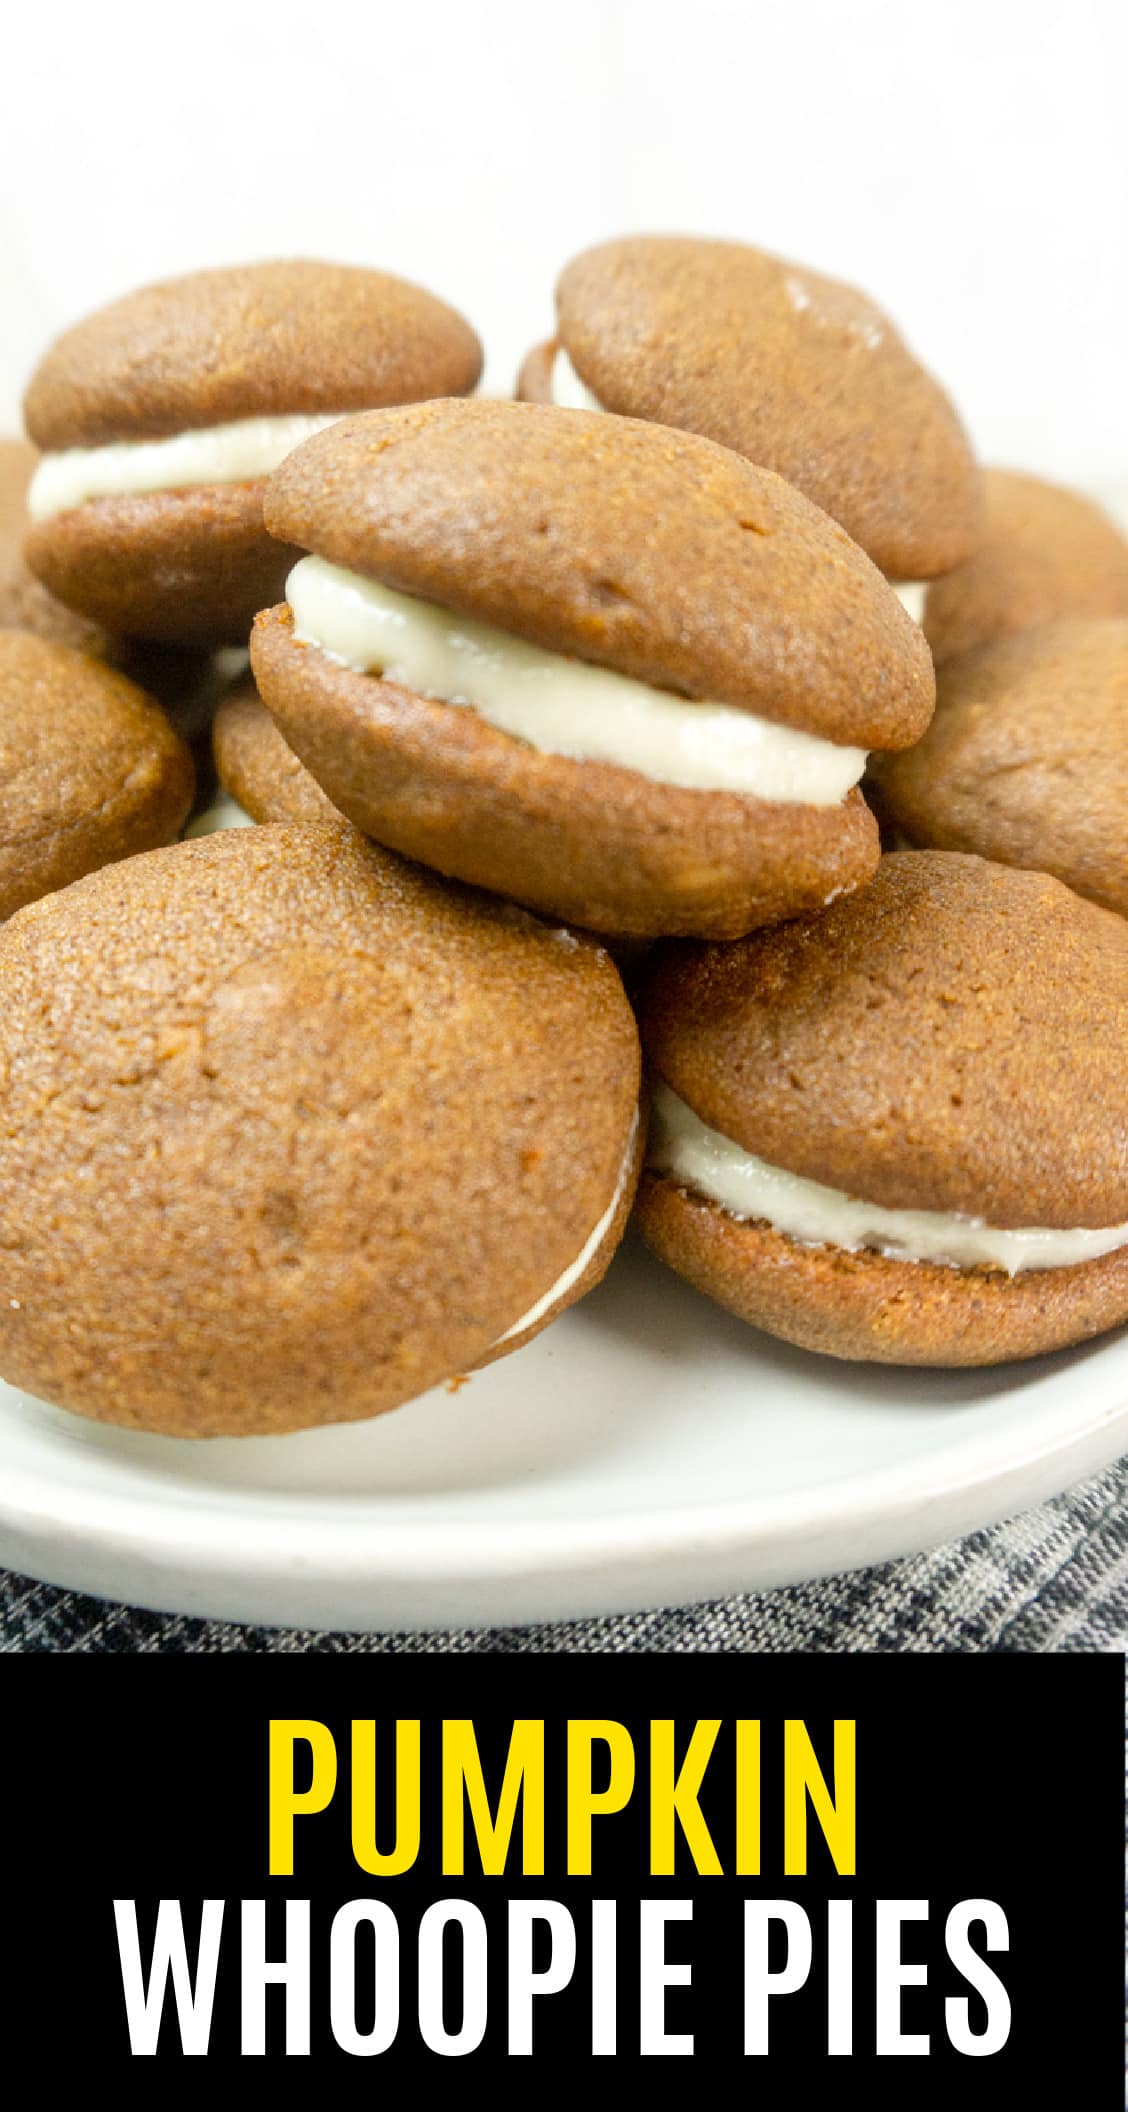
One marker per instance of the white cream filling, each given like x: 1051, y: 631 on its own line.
x: 213, y: 454
x: 910, y: 593
x: 559, y: 705
x: 223, y: 813
x: 701, y: 1158
x: 587, y: 1252
x: 566, y: 388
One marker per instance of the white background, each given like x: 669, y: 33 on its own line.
x: 966, y: 162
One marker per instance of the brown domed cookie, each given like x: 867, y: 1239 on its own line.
x: 942, y: 1047
x: 254, y: 764
x: 293, y: 335
x: 188, y: 560
x: 797, y: 372
x: 177, y: 567
x: 370, y: 1122
x: 1026, y: 761
x: 25, y: 604
x: 90, y: 769
x: 1044, y: 553
x: 610, y: 546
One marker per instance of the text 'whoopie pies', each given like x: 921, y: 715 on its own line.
x: 899, y: 1131
x: 798, y: 372
x: 293, y: 1130
x: 612, y: 671
x: 161, y: 415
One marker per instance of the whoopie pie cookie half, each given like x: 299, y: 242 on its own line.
x: 90, y: 768
x: 612, y: 671
x: 293, y: 1130
x: 800, y: 373
x: 257, y: 768
x: 1026, y: 760
x: 161, y: 415
x: 898, y: 1131
x: 1044, y: 553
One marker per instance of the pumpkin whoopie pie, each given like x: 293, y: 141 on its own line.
x: 898, y: 1131
x: 256, y: 768
x: 161, y: 415
x: 610, y: 670
x: 90, y: 768
x: 1026, y: 760
x: 293, y: 1130
x: 1044, y: 553
x: 798, y: 372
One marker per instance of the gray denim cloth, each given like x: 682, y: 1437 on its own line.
x: 1054, y: 1578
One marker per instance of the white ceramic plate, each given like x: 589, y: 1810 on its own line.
x: 645, y: 1450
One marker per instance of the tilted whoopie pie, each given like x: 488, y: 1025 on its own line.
x: 899, y: 1131
x: 798, y: 372
x: 90, y: 769
x: 1043, y: 553
x: 612, y: 671
x: 1026, y: 760
x: 161, y: 415
x: 292, y: 1131
x: 254, y: 764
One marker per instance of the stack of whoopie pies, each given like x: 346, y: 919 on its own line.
x: 303, y: 1118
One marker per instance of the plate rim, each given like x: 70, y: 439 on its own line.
x: 357, y: 1573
